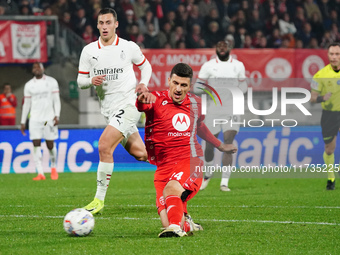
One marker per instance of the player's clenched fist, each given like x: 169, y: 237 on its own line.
x: 98, y: 80
x: 227, y: 148
x: 147, y: 98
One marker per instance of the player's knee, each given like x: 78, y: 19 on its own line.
x: 141, y: 156
x: 103, y: 149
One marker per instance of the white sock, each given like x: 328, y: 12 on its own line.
x: 37, y: 156
x: 226, y: 176
x: 208, y: 173
x: 103, y: 179
x: 53, y: 156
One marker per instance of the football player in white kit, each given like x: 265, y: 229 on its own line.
x: 41, y: 100
x: 220, y: 73
x: 107, y: 64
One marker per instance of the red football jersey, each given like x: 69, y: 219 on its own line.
x: 171, y: 128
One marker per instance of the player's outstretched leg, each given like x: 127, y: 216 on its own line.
x: 103, y: 179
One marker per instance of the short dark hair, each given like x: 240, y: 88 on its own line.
x: 182, y: 70
x: 108, y: 10
x: 333, y: 44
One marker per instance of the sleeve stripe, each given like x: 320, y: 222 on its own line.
x: 83, y: 72
x: 142, y: 62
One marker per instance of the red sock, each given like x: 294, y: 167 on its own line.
x: 185, y: 208
x: 186, y: 226
x: 174, y: 209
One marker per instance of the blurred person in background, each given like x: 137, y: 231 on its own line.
x: 8, y: 103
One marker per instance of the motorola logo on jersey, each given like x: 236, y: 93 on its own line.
x: 181, y: 122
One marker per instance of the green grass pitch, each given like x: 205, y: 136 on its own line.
x: 259, y: 216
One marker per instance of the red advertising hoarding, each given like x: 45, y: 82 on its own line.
x: 265, y: 68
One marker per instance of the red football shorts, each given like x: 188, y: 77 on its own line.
x: 187, y: 172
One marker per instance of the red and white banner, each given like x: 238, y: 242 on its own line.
x: 266, y: 68
x: 23, y: 42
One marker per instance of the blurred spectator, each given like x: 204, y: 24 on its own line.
x: 66, y: 18
x: 240, y: 37
x: 299, y: 19
x: 181, y: 45
x: 269, y: 8
x: 195, y: 37
x: 2, y: 10
x: 286, y: 26
x: 274, y: 40
x: 255, y: 41
x: 88, y: 35
x: 310, y: 8
x: 126, y: 5
x: 8, y: 103
x: 230, y: 40
x: 150, y: 38
x: 272, y: 23
x: 313, y: 43
x: 171, y: 19
x: 80, y: 21
x: 285, y: 44
x: 149, y: 18
x: 258, y: 6
x: 299, y: 44
x: 127, y: 22
x: 165, y: 36
x: 255, y: 23
x: 223, y: 6
x: 25, y: 10
x: 326, y: 40
x: 140, y: 7
x: 212, y: 16
x: 335, y: 35
x: 212, y: 36
x: 247, y: 42
x: 59, y: 7
x: 281, y: 7
x: 194, y: 18
x: 324, y: 6
x: 263, y: 43
x: 245, y: 8
x: 134, y: 34
x: 317, y: 26
x: 239, y: 20
x: 306, y: 34
x: 178, y: 35
x: 181, y: 16
x: 204, y: 7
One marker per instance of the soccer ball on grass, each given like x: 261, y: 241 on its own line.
x: 79, y: 222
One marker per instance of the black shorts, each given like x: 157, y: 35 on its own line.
x: 330, y: 124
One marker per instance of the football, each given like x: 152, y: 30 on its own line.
x: 79, y: 222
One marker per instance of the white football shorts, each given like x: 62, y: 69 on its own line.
x: 43, y: 129
x: 125, y: 120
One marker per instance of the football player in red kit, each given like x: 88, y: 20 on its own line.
x: 173, y: 119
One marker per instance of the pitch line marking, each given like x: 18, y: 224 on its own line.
x: 206, y: 220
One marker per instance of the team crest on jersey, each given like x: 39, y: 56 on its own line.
x: 164, y: 102
x: 181, y: 122
x: 122, y: 55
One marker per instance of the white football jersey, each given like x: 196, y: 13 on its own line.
x: 221, y: 74
x: 40, y: 91
x: 116, y: 62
